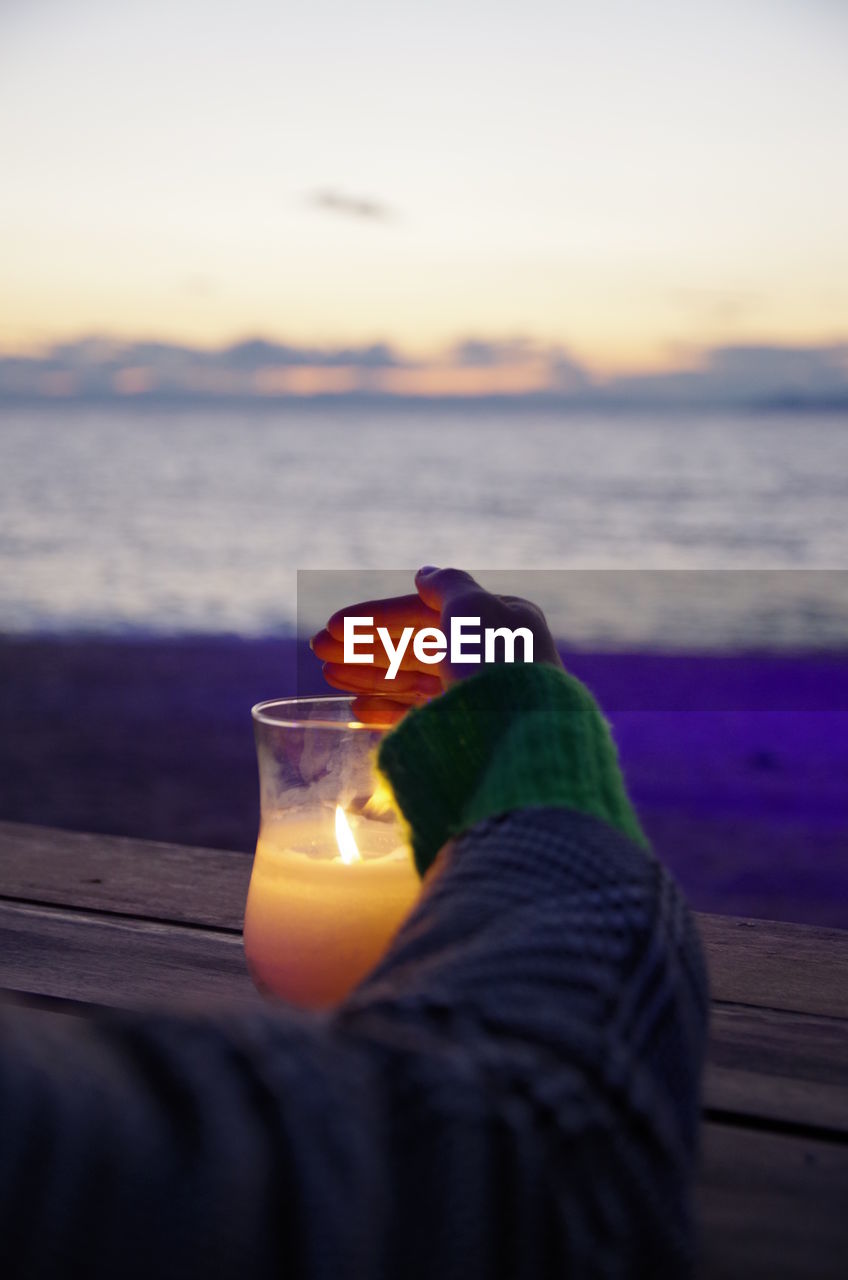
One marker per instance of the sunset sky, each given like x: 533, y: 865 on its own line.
x: 627, y: 181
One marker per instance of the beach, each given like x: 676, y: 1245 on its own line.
x: 738, y: 763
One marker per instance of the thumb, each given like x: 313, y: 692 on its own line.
x: 438, y: 588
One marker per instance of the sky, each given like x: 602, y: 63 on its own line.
x: 623, y: 185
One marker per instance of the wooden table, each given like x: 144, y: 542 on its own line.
x: 96, y: 920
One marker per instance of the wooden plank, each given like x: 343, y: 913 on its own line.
x: 761, y: 1063
x: 771, y: 1204
x: 756, y: 962
x: 777, y: 965
x: 784, y: 1067
x: 776, y: 1066
x: 117, y: 962
x: 128, y: 877
x: 771, y: 1207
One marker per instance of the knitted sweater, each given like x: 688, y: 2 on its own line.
x: 512, y: 1093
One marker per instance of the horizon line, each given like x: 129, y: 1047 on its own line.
x: 813, y: 402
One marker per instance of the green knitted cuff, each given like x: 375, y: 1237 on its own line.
x: 512, y: 737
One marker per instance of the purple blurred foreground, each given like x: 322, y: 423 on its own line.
x: 738, y: 764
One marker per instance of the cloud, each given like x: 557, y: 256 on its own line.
x: 363, y: 208
x: 562, y: 373
x: 518, y: 368
x: 770, y: 370
x: 257, y: 353
x: 95, y: 367
x: 482, y: 353
x: 745, y: 374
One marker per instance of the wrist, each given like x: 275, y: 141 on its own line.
x: 513, y: 736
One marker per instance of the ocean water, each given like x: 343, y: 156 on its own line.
x: 116, y: 518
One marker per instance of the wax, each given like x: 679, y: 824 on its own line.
x: 316, y: 924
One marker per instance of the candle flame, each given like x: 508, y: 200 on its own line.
x: 344, y: 838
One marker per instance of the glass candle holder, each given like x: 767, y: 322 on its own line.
x: 332, y: 876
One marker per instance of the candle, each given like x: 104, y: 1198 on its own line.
x: 327, y: 893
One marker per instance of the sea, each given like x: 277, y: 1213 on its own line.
x: 633, y: 530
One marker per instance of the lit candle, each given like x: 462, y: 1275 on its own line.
x: 326, y: 896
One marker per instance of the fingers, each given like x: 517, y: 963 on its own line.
x: 441, y: 595
x: 394, y: 613
x: 383, y: 713
x: 407, y: 686
x: 439, y: 588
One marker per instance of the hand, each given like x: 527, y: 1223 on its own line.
x: 441, y: 594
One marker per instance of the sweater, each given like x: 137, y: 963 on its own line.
x: 513, y: 1092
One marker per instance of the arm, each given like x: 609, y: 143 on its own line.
x: 548, y: 994
x: 513, y: 1092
